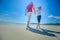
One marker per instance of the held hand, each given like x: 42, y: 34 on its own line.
x: 34, y: 11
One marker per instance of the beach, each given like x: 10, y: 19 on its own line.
x: 16, y: 31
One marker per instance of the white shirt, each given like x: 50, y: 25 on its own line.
x: 38, y: 12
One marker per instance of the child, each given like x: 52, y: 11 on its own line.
x: 38, y: 17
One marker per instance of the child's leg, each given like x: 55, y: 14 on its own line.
x: 37, y: 26
x: 39, y: 18
x: 38, y: 22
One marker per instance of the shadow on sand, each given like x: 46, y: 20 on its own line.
x: 43, y: 32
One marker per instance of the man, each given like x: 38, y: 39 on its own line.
x: 28, y: 12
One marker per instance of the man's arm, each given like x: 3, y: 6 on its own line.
x: 34, y: 10
x: 25, y: 12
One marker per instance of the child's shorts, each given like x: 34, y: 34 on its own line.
x: 39, y: 18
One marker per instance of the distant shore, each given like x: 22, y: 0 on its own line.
x: 2, y: 22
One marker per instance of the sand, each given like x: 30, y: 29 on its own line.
x: 13, y: 31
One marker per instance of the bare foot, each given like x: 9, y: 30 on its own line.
x: 28, y: 26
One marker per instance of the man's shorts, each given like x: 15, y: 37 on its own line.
x: 29, y: 14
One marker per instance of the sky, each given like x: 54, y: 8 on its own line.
x: 14, y: 11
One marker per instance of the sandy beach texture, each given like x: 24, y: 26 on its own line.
x: 13, y: 31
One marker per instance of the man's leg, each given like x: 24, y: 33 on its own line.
x: 28, y: 22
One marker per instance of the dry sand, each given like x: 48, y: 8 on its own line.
x: 11, y: 31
